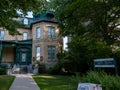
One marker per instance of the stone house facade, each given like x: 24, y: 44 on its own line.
x: 39, y: 41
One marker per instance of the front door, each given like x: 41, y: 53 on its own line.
x: 23, y: 59
x: 23, y: 56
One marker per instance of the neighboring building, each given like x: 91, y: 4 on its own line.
x: 38, y: 41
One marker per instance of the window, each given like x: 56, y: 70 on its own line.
x: 51, y: 53
x: 2, y: 32
x: 23, y: 57
x: 38, y: 32
x: 51, y: 32
x: 37, y: 53
x: 25, y: 36
x: 25, y: 21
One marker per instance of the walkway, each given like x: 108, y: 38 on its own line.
x: 24, y: 82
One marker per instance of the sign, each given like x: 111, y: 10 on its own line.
x: 105, y: 63
x: 89, y: 86
x: 108, y: 62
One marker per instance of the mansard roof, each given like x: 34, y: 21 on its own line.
x: 46, y: 16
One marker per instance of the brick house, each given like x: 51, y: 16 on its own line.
x: 39, y: 41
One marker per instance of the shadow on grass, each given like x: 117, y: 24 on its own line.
x: 48, y: 82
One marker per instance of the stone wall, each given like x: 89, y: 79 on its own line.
x: 44, y: 42
x: 7, y: 36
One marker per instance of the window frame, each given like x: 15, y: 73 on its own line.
x: 25, y: 21
x: 2, y: 35
x: 24, y: 37
x: 51, y: 53
x: 51, y: 32
x: 38, y: 51
x: 38, y: 33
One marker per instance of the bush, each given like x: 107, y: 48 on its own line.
x: 2, y: 71
x: 108, y: 82
x: 80, y: 56
x: 41, y: 68
x: 55, y: 69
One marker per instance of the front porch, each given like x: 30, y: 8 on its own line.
x: 8, y: 55
x: 16, y: 52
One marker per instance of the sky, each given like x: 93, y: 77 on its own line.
x: 30, y: 14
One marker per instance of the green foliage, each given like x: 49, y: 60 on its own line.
x: 8, y: 12
x: 41, y: 68
x: 92, y: 25
x: 81, y: 54
x: 53, y: 82
x: 57, y: 82
x: 117, y: 58
x: 98, y: 18
x: 2, y: 69
x: 55, y: 69
x: 108, y: 82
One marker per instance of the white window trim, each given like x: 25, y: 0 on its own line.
x: 38, y: 50
x: 2, y: 35
x: 25, y: 37
x: 51, y: 59
x: 51, y: 33
x: 25, y: 21
x: 38, y: 32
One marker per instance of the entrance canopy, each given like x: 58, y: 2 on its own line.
x: 21, y: 52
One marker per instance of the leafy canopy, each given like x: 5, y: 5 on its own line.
x: 99, y: 18
x: 9, y: 8
x: 93, y: 26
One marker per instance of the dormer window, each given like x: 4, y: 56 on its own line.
x: 25, y: 21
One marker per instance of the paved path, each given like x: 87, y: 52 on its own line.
x: 24, y: 82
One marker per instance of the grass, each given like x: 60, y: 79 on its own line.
x: 51, y: 82
x: 108, y: 82
x: 56, y: 82
x: 6, y: 81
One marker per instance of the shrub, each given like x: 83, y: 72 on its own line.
x: 2, y: 70
x: 41, y: 68
x: 108, y: 82
x: 80, y: 56
x: 55, y: 69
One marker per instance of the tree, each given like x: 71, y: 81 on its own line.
x: 82, y: 52
x: 9, y: 8
x: 93, y: 27
x: 99, y: 18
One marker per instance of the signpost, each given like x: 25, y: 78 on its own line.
x: 105, y: 63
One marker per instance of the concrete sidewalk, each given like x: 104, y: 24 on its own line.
x: 24, y: 82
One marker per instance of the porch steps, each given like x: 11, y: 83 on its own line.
x: 21, y: 69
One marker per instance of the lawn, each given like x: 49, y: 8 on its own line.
x: 6, y: 81
x: 56, y: 82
